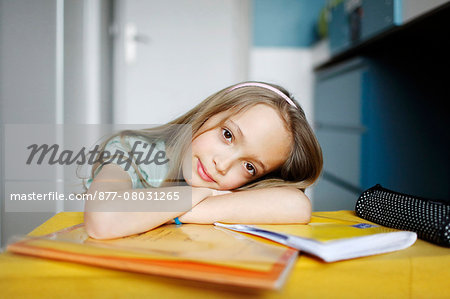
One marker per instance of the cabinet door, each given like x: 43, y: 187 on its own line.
x: 342, y: 154
x: 340, y: 131
x: 329, y: 196
x: 338, y: 97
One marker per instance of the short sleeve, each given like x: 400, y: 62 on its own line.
x: 143, y: 157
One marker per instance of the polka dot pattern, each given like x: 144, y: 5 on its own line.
x: 429, y: 219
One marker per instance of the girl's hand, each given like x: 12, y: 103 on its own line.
x: 265, y: 205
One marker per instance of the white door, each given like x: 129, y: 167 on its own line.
x: 170, y: 55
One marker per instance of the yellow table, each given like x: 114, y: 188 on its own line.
x: 421, y: 271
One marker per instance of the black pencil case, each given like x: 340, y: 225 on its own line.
x: 429, y: 219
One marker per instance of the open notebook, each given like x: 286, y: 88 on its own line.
x: 332, y: 239
x: 197, y: 252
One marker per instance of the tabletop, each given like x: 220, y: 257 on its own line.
x: 420, y: 271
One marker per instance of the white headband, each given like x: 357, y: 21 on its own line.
x: 266, y: 86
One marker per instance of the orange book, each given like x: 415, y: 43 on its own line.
x: 190, y: 251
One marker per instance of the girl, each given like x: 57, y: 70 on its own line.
x: 251, y: 155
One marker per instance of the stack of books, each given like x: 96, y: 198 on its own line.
x: 222, y: 253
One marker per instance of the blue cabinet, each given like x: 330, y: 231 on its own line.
x: 381, y: 109
x: 340, y: 129
x: 380, y: 123
x: 353, y: 22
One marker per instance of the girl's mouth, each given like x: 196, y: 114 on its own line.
x: 202, y: 172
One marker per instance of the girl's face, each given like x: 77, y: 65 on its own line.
x: 247, y: 146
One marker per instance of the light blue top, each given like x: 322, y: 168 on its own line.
x: 154, y: 174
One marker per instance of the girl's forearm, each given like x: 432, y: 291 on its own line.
x: 270, y: 205
x: 119, y: 217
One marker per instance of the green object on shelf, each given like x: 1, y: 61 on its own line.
x: 324, y: 18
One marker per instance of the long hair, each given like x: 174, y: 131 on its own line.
x: 300, y: 170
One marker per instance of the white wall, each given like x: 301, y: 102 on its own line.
x: 87, y: 62
x: 53, y: 70
x: 290, y: 68
x: 29, y: 89
x: 414, y: 8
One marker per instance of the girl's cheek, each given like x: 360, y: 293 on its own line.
x: 235, y: 179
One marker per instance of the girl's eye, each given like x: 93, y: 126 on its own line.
x: 248, y: 166
x: 227, y: 134
x: 251, y: 168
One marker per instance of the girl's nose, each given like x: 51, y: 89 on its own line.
x: 222, y: 164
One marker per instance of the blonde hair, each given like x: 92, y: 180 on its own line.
x: 300, y: 170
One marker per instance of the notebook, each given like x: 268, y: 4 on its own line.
x: 332, y: 239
